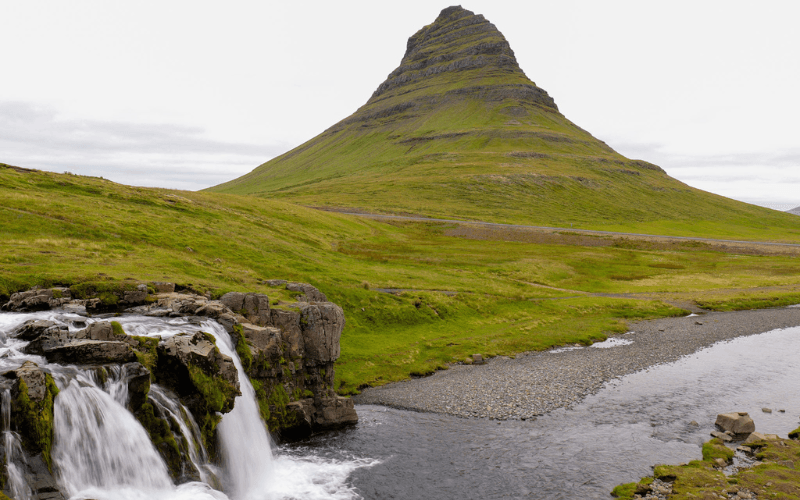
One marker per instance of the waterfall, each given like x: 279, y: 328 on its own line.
x: 100, y: 451
x: 169, y: 405
x: 244, y: 441
x: 99, y: 444
x: 17, y: 484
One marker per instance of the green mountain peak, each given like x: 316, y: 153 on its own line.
x: 459, y: 131
x: 458, y: 42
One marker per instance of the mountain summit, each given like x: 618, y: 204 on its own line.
x: 467, y: 46
x: 458, y: 130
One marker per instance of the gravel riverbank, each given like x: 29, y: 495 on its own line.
x: 538, y: 382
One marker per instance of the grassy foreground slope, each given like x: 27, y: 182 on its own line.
x: 458, y: 130
x: 453, y: 293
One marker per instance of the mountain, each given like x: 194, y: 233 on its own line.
x: 795, y: 211
x: 458, y: 130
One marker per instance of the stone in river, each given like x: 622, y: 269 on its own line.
x: 738, y: 423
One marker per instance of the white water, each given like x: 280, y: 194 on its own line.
x: 245, y: 444
x: 99, y: 444
x: 19, y: 488
x: 102, y: 452
x: 171, y: 406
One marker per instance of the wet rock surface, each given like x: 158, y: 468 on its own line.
x: 737, y: 423
x: 288, y: 351
x: 539, y: 382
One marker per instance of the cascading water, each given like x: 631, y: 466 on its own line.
x: 100, y: 451
x: 169, y: 405
x: 99, y: 444
x: 246, y: 447
x: 19, y: 488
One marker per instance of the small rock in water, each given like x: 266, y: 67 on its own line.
x: 722, y: 436
x: 781, y: 411
x: 766, y: 410
x: 694, y: 423
x: 698, y: 322
x: 738, y: 423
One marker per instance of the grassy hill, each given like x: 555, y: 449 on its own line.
x: 417, y: 296
x: 458, y: 130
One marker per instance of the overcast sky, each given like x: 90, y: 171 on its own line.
x: 189, y: 94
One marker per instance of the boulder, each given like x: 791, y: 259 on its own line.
x: 33, y: 377
x: 254, y: 306
x: 233, y: 300
x: 199, y: 350
x: 102, y: 330
x: 138, y: 378
x: 162, y: 287
x: 321, y: 326
x: 97, y: 343
x: 37, y: 299
x: 48, y: 339
x: 91, y: 352
x: 309, y: 293
x: 204, y: 379
x: 722, y: 436
x: 32, y: 394
x: 755, y: 437
x: 32, y: 329
x: 213, y: 309
x: 738, y: 423
x: 288, y: 322
x: 335, y: 412
x: 308, y: 416
x: 265, y: 339
x: 137, y: 296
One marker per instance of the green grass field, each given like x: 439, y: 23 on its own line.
x: 455, y: 291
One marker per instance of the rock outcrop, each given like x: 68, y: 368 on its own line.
x: 738, y: 423
x: 287, y: 349
x: 37, y: 299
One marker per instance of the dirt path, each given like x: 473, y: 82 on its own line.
x: 591, y: 232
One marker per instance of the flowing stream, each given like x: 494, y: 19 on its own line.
x: 102, y: 452
x: 609, y: 438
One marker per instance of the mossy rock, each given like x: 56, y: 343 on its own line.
x: 34, y: 419
x: 624, y: 491
x: 161, y: 436
x: 715, y: 449
x: 777, y: 476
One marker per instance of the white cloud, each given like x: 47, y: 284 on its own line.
x: 140, y: 154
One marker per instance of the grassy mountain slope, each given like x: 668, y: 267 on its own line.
x: 454, y: 291
x: 458, y: 130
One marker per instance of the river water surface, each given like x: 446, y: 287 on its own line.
x: 610, y: 438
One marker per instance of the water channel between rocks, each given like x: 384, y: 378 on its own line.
x: 611, y: 437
